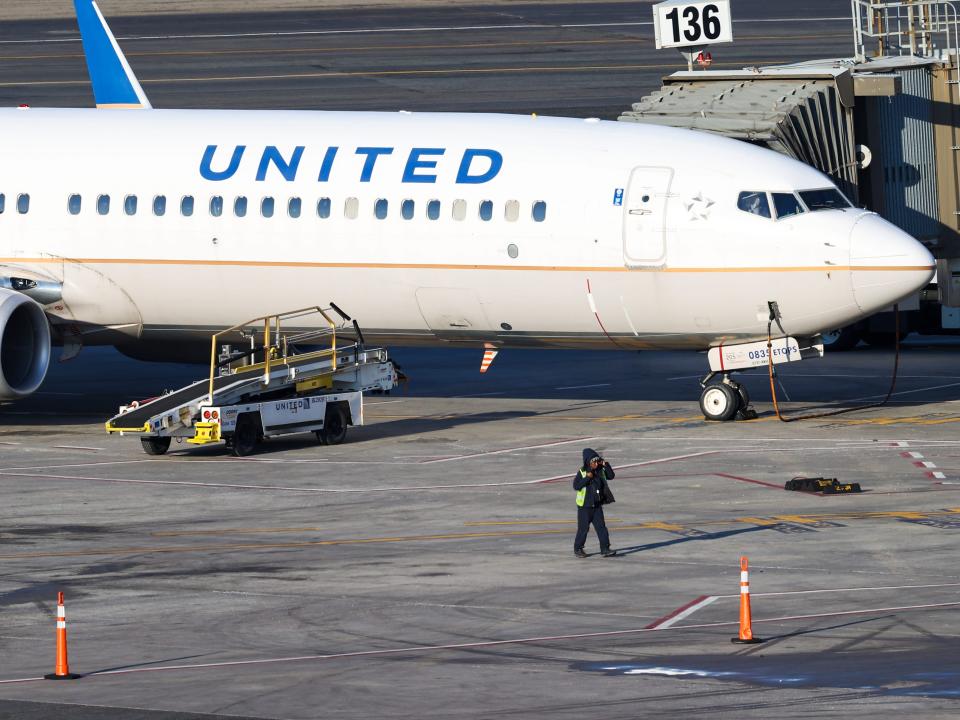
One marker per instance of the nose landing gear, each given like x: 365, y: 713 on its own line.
x: 725, y: 400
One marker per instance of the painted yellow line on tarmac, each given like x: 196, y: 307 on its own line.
x: 916, y: 420
x: 233, y: 531
x: 649, y: 525
x: 392, y: 73
x: 402, y: 47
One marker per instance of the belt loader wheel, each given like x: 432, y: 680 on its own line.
x: 246, y: 436
x: 155, y: 445
x: 334, y: 426
x: 719, y: 402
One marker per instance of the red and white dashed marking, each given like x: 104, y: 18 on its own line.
x: 919, y: 462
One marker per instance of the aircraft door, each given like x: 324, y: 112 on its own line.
x: 645, y: 217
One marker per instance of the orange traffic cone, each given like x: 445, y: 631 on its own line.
x: 746, y: 628
x: 62, y: 670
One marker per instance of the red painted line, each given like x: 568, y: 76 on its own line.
x: 755, y: 482
x: 661, y: 621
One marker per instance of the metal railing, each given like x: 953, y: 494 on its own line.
x: 922, y: 28
x: 277, y: 344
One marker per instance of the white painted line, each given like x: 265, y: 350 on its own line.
x: 8, y: 443
x: 382, y: 402
x: 70, y: 465
x: 583, y: 387
x: 274, y: 488
x: 683, y: 612
x: 938, y: 475
x: 924, y: 464
x: 489, y: 643
x: 873, y: 588
x: 449, y: 28
x: 75, y: 447
x: 508, y: 450
x: 911, y: 455
x: 639, y: 464
x: 904, y: 392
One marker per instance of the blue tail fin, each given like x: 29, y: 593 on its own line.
x: 114, y: 84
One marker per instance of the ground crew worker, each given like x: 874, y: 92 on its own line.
x: 590, y: 482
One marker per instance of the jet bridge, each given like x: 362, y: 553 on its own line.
x: 803, y: 112
x: 883, y: 124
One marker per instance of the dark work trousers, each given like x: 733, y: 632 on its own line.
x: 586, y: 516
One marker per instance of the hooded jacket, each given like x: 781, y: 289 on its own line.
x: 594, y: 485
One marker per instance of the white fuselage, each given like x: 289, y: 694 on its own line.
x: 550, y: 232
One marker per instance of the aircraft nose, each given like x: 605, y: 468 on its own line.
x: 886, y: 264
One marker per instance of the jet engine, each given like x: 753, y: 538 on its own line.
x: 24, y: 345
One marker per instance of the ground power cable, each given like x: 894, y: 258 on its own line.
x: 775, y: 317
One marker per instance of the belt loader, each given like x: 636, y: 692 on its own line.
x: 279, y: 386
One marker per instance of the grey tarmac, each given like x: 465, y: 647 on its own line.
x: 425, y: 568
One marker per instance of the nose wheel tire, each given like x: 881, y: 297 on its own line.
x: 720, y: 402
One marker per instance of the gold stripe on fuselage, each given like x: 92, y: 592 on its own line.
x: 441, y: 266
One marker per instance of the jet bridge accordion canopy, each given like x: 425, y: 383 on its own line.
x: 805, y: 114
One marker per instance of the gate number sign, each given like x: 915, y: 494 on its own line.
x: 681, y: 24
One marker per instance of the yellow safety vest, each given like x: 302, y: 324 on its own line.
x: 582, y: 492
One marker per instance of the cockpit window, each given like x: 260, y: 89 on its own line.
x: 786, y: 204
x: 827, y: 199
x: 755, y: 203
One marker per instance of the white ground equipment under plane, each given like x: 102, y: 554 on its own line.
x: 436, y: 228
x: 292, y: 381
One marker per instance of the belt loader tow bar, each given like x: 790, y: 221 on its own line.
x: 274, y: 388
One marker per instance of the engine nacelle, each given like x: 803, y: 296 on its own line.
x: 24, y: 345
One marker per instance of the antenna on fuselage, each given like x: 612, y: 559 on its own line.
x: 115, y: 86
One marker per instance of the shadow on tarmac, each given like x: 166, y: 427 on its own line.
x: 678, y: 541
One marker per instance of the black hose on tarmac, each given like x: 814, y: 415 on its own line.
x: 775, y: 317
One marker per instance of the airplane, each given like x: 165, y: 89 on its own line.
x: 149, y: 229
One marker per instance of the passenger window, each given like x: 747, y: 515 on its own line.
x: 73, y: 204
x: 755, y: 203
x: 186, y: 205
x: 486, y: 210
x: 240, y: 206
x: 103, y: 204
x: 266, y: 207
x: 293, y: 207
x: 380, y: 208
x: 407, y: 208
x: 160, y: 205
x: 3, y: 202
x: 216, y: 205
x: 23, y: 203
x: 539, y: 211
x: 323, y: 208
x: 351, y: 208
x: 130, y: 204
x: 459, y: 209
x: 786, y: 204
x: 511, y: 211
x: 433, y: 209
